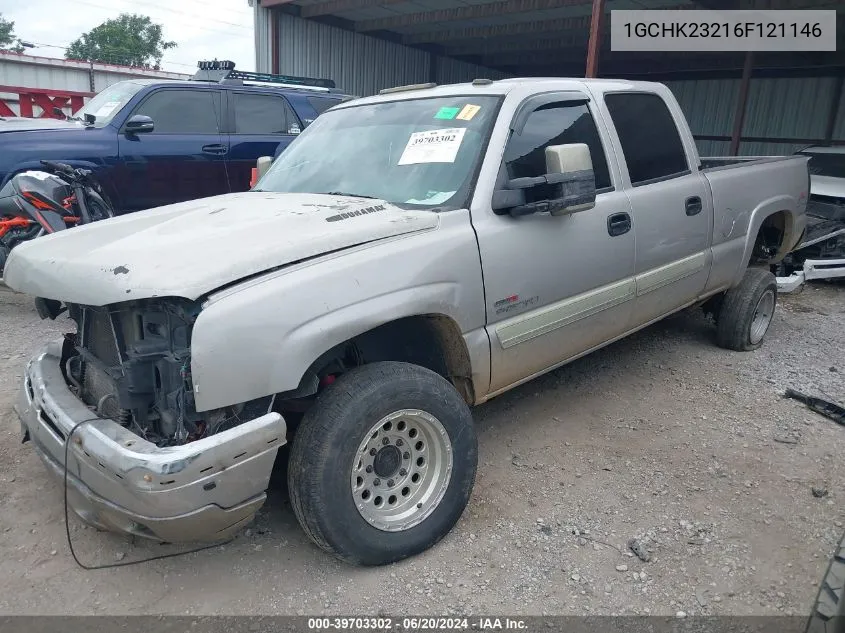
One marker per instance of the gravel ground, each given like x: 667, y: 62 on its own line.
x: 662, y: 437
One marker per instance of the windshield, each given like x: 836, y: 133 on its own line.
x: 414, y: 153
x: 106, y: 104
x: 826, y: 164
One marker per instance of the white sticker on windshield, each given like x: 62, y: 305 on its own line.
x: 107, y: 108
x: 433, y: 146
x: 434, y: 197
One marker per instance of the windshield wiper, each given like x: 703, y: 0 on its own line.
x: 348, y: 195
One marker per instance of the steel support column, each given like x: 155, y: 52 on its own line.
x: 741, y: 103
x: 834, y: 110
x: 432, y: 67
x: 275, y: 61
x: 594, y: 45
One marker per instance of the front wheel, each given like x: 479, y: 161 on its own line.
x: 828, y: 615
x: 382, y: 466
x: 99, y: 209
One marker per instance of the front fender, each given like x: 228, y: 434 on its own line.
x: 261, y: 338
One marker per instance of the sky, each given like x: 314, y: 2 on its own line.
x: 203, y: 29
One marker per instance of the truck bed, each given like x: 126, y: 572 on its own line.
x: 739, y: 185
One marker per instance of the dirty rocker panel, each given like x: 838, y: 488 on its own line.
x: 670, y: 273
x: 526, y: 327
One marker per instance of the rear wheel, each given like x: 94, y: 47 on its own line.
x: 747, y: 310
x: 382, y: 466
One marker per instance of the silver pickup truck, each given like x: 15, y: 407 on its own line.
x: 409, y: 255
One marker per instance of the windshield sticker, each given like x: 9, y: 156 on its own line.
x: 107, y: 108
x: 433, y: 197
x: 433, y: 146
x: 447, y: 113
x: 468, y: 112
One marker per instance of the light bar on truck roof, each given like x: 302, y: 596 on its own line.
x: 224, y: 72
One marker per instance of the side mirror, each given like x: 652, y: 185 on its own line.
x: 139, y: 124
x: 569, y: 186
x: 262, y: 165
x: 578, y: 183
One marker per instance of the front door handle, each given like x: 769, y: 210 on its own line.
x: 214, y: 148
x: 693, y: 205
x: 618, y: 224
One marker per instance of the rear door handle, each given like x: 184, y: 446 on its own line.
x: 215, y: 148
x: 618, y: 224
x: 693, y: 205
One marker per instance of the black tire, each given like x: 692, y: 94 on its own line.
x: 326, y: 448
x: 99, y: 210
x: 828, y: 615
x: 739, y: 308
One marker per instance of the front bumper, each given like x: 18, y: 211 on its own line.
x: 201, y: 491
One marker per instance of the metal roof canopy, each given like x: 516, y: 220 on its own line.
x: 550, y: 37
x: 570, y: 38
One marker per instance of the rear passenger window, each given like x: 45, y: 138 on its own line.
x: 321, y: 104
x: 263, y: 114
x: 649, y: 137
x: 554, y: 124
x: 184, y: 111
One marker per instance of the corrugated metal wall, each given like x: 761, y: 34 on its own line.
x: 794, y: 107
x: 360, y: 64
x: 453, y: 71
x: 29, y: 71
x: 261, y: 26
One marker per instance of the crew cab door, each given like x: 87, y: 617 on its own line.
x: 671, y: 203
x: 263, y: 124
x: 183, y: 158
x: 555, y: 286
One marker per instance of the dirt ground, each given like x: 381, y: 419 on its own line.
x: 662, y: 437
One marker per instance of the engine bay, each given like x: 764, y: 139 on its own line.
x: 131, y: 362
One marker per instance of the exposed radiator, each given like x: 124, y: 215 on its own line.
x: 97, y: 386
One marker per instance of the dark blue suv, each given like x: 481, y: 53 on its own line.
x: 155, y: 142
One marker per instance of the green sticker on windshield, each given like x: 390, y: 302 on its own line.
x: 447, y: 113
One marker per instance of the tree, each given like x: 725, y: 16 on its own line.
x: 8, y: 40
x: 130, y: 39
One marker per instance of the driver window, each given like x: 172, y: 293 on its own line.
x: 554, y: 124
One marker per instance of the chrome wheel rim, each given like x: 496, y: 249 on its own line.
x: 401, y: 470
x: 763, y: 314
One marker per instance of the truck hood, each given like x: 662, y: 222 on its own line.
x: 192, y: 248
x: 20, y: 124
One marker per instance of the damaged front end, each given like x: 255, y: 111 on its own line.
x: 131, y: 362
x: 110, y: 411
